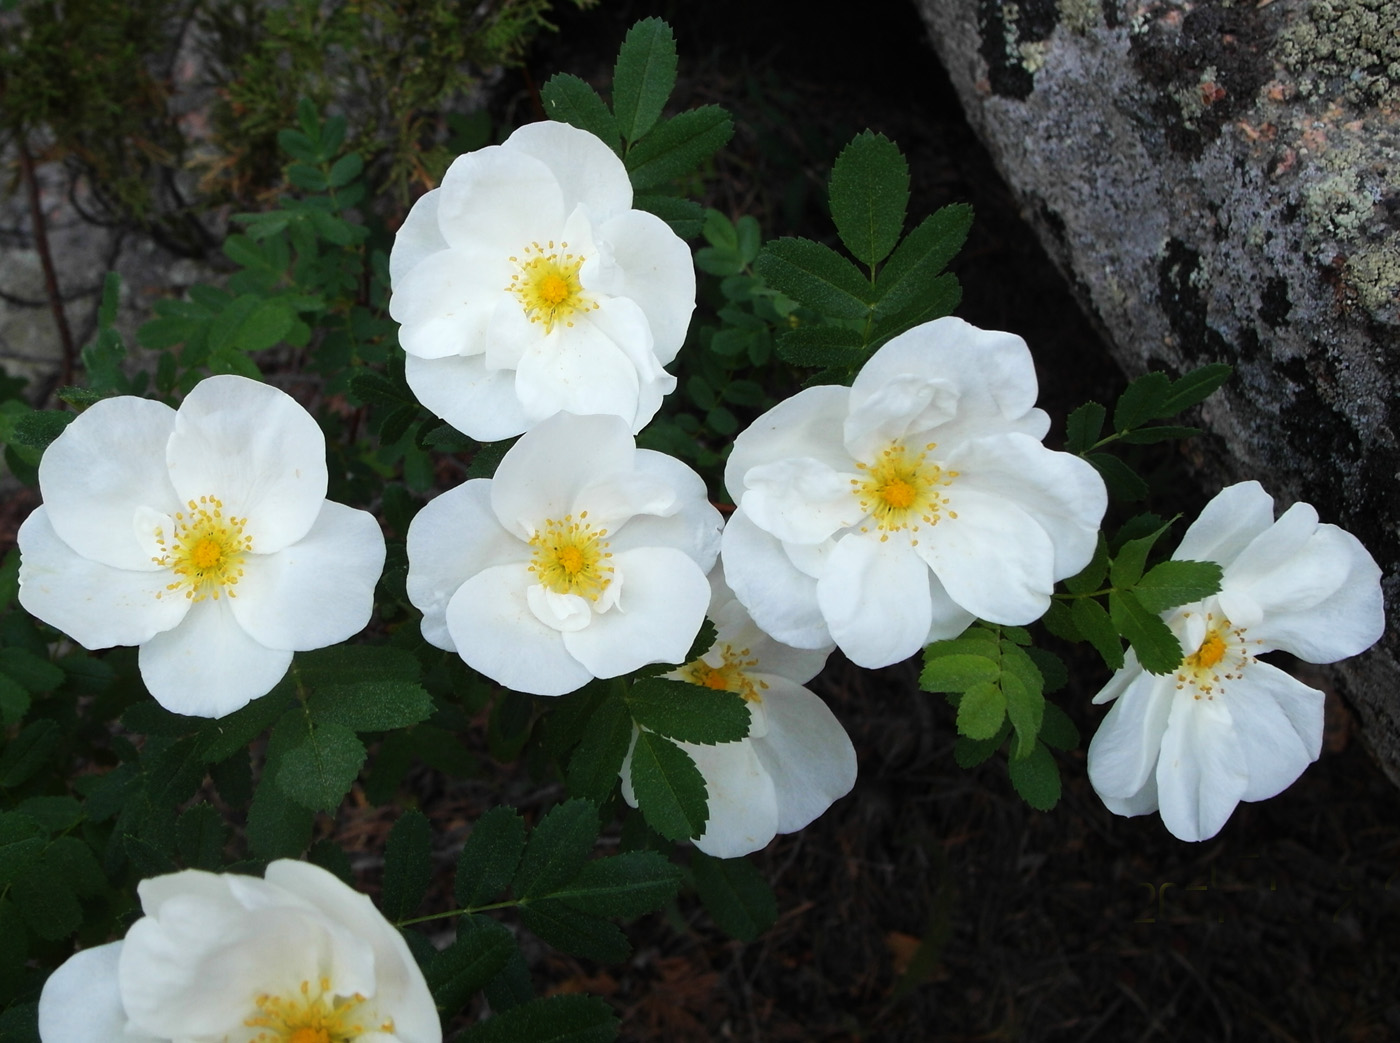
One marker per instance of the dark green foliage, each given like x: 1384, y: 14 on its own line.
x: 735, y: 894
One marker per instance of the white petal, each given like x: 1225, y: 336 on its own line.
x: 806, y: 752
x: 1063, y: 494
x: 446, y: 303
x: 736, y: 628
x: 480, y: 403
x: 1201, y: 774
x: 781, y: 599
x: 742, y: 802
x: 81, y: 1002
x: 1124, y: 749
x: 875, y: 598
x: 579, y: 369
x: 451, y: 539
x: 660, y: 611
x: 399, y: 988
x: 992, y: 373
x: 208, y: 666
x: 543, y: 475
x: 497, y: 634
x: 1279, y: 723
x: 1227, y: 524
x: 993, y: 558
x: 807, y: 425
x: 801, y: 500
x: 1319, y: 598
x: 565, y: 613
x: 106, y: 464
x: 319, y: 590
x: 95, y: 604
x: 905, y: 404
x: 417, y: 238
x: 500, y: 198
x: 690, y: 523
x: 658, y: 273
x: 257, y: 450
x: 587, y: 170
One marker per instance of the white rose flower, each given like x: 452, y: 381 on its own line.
x: 892, y: 513
x: 797, y: 759
x: 202, y: 535
x: 526, y: 284
x: 1224, y: 727
x: 583, y: 557
x: 297, y: 957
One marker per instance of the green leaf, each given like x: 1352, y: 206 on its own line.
x: 554, y: 1019
x: 1123, y: 482
x: 968, y: 753
x: 627, y: 885
x: 346, y: 169
x: 915, y: 265
x: 594, y: 766
x: 570, y: 100
x: 869, y: 196
x: 1036, y: 778
x: 678, y: 146
x: 1091, y: 577
x: 958, y: 672
x: 200, y: 836
x: 318, y: 772
x: 277, y: 826
x: 981, y: 710
x: 489, y: 857
x: 643, y: 77
x: 1150, y: 435
x: 822, y: 346
x: 34, y: 672
x: 1084, y: 427
x: 37, y: 429
x: 371, y: 706
x: 49, y: 907
x: 54, y: 814
x: 688, y: 712
x: 1194, y: 387
x: 573, y: 932
x: 1156, y: 646
x: 25, y: 754
x: 408, y: 867
x: 1057, y: 730
x: 481, y: 951
x: 1097, y: 628
x: 685, y: 216
x: 1172, y: 583
x: 669, y: 788
x: 222, y: 738
x: 1141, y: 401
x: 1128, y: 563
x: 353, y: 664
x: 1023, y: 687
x: 735, y: 894
x: 816, y: 276
x: 557, y: 849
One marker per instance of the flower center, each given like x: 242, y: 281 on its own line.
x: 903, y: 489
x: 304, y: 1017
x: 729, y: 676
x: 547, y: 284
x: 571, y: 557
x: 206, y: 550
x: 1221, y: 657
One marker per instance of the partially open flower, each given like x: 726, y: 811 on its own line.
x: 892, y: 513
x: 797, y: 759
x: 526, y: 284
x: 583, y: 557
x: 1224, y: 727
x: 202, y: 535
x: 297, y: 957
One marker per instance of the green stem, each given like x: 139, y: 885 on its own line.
x: 470, y: 910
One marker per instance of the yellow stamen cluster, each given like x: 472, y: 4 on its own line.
x: 729, y: 676
x: 205, y: 551
x: 571, y: 557
x: 547, y: 284
x: 903, y: 489
x: 304, y: 1017
x: 1221, y: 657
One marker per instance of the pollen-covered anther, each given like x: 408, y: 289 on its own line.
x: 206, y: 550
x: 731, y: 675
x: 903, y: 489
x: 307, y: 1016
x: 571, y: 557
x: 1220, y: 657
x: 548, y: 286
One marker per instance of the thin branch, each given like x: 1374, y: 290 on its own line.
x: 41, y: 244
